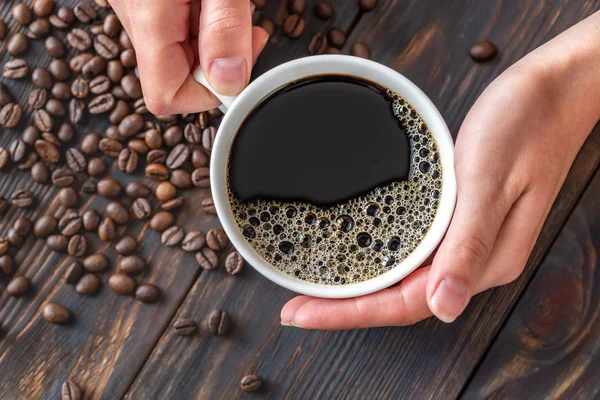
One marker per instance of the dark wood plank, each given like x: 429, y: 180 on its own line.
x: 110, y: 336
x: 549, y: 348
x: 428, y: 41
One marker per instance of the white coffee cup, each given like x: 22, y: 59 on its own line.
x: 237, y: 109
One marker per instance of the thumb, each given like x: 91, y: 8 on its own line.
x: 461, y: 259
x: 225, y: 44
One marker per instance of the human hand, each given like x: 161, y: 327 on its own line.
x: 172, y: 36
x: 513, y: 153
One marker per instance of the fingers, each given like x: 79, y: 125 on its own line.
x: 225, y: 43
x: 403, y: 304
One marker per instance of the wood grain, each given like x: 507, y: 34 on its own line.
x: 429, y: 42
x: 549, y: 349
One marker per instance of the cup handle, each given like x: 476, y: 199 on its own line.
x: 226, y: 101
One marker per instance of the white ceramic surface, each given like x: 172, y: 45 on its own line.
x: 237, y: 110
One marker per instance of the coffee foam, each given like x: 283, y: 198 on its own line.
x: 361, y: 238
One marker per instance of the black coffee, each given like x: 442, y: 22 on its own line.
x: 334, y: 179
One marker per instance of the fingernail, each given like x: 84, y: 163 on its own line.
x: 228, y: 75
x: 286, y: 323
x: 295, y: 325
x: 450, y: 299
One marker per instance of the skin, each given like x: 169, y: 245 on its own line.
x: 513, y: 150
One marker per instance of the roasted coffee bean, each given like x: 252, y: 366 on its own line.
x: 122, y: 284
x: 28, y: 162
x: 106, y: 47
x: 79, y: 61
x: 85, y: 12
x: 202, y: 121
x: 76, y: 160
x: 61, y: 91
x: 166, y: 118
x: 43, y: 8
x: 293, y: 26
x: 216, y: 239
x: 250, y: 383
x: 70, y: 391
x: 157, y: 172
x: 208, y: 137
x: 38, y: 29
x: 80, y: 88
x: 360, y: 50
x: 76, y: 111
x: 4, y: 246
x: 173, y: 204
x: 89, y: 186
x: 63, y: 18
x: 47, y: 151
x: 193, y: 241
x: 18, y: 286
x: 138, y: 145
x: 55, y: 108
x: 73, y: 272
x: 93, y: 67
x: 59, y: 69
x: 483, y: 51
x: 201, y: 177
x: 120, y: 111
x: 184, y: 327
x: 45, y: 226
x: 77, y: 246
x: 161, y: 221
x: 65, y: 133
x: 88, y: 284
x: 17, y: 44
x: 140, y: 106
x: 102, y: 3
x: 128, y: 59
x: 337, y: 37
x: 296, y: 6
x: 100, y: 84
x: 90, y: 143
x: 367, y: 5
x: 55, y: 313
x: 3, y: 29
x: 6, y: 264
x: 10, y: 115
x: 181, y: 178
x: 218, y: 322
x: 110, y: 147
x: 41, y: 78
x: 323, y: 9
x: 165, y: 191
x: 208, y: 205
x: 115, y: 71
x: 40, y: 172
x: 147, y: 293
x: 234, y: 263
x: 3, y: 205
x: 207, y: 259
x: 17, y: 150
x: 112, y: 132
x: 22, y: 198
x: 47, y: 136
x: 132, y: 86
x: 158, y: 156
x: 43, y: 120
x: 137, y: 189
x: 79, y: 39
x: 268, y: 25
x: 23, y: 226
x: 124, y: 40
x: 107, y: 231
x: 90, y: 219
x: 30, y: 135
x: 15, y: 69
x: 131, y: 264
x: 67, y: 197
x: 70, y: 223
x: 57, y: 243
x: 127, y: 245
x: 117, y: 212
x: 199, y: 158
x: 101, y: 104
x: 173, y: 136
x: 172, y: 236
x: 5, y: 96
x: 22, y: 14
x: 318, y: 44
x: 4, y: 157
x: 14, y: 238
x: 95, y: 262
x: 127, y: 161
x: 178, y: 156
x: 141, y: 208
x: 112, y: 25
x: 130, y: 125
x: 62, y: 177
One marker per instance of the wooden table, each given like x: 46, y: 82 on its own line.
x: 538, y: 337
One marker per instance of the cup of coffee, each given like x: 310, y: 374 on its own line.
x: 333, y: 175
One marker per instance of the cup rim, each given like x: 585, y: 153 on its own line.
x: 340, y: 65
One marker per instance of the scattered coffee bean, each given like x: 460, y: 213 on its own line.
x: 77, y: 246
x: 47, y: 151
x: 208, y: 205
x: 61, y: 91
x: 73, y: 272
x: 55, y: 313
x: 268, y: 25
x: 367, y: 5
x: 153, y: 138
x: 117, y: 212
x: 115, y: 71
x: 22, y: 14
x: 293, y: 26
x: 181, y: 178
x: 178, y: 156
x: 157, y: 172
x: 110, y: 147
x: 22, y: 198
x: 10, y: 115
x: 208, y: 137
x: 112, y: 25
x: 184, y: 327
x: 172, y: 236
x: 193, y: 241
x: 296, y: 6
x: 192, y: 134
x: 89, y: 144
x: 95, y: 263
x: 207, y: 259
x: 483, y: 51
x: 122, y: 284
x: 318, y: 44
x: 147, y: 293
x: 100, y: 85
x: 43, y: 120
x: 79, y: 61
x: 18, y: 286
x: 5, y: 96
x: 161, y: 221
x: 360, y: 50
x: 234, y: 263
x: 15, y: 69
x: 80, y: 88
x: 132, y: 86
x: 165, y: 191
x: 45, y: 226
x: 119, y: 112
x: 4, y: 157
x: 217, y: 239
x: 158, y: 156
x: 6, y: 264
x: 173, y: 204
x: 76, y: 160
x: 70, y: 223
x: 127, y: 245
x: 43, y: 8
x: 119, y: 93
x: 28, y: 162
x: 107, y: 231
x: 138, y: 145
x: 90, y: 219
x: 15, y: 240
x: 4, y: 246
x: 3, y: 29
x: 127, y: 161
x: 63, y: 177
x: 89, y: 186
x: 199, y: 158
x: 218, y: 322
x: 201, y: 177
x: 67, y: 197
x: 109, y: 187
x: 85, y: 12
x: 70, y: 391
x: 3, y: 205
x: 141, y: 208
x: 79, y: 39
x: 55, y: 108
x: 22, y: 226
x: 101, y: 104
x: 337, y: 37
x: 88, y: 284
x: 96, y: 167
x: 41, y: 78
x: 93, y: 67
x: 250, y: 383
x: 106, y: 47
x: 324, y: 9
x: 137, y: 189
x: 57, y: 243
x: 38, y: 29
x: 59, y: 69
x: 130, y: 125
x: 17, y: 44
x: 76, y: 111
x: 17, y: 150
